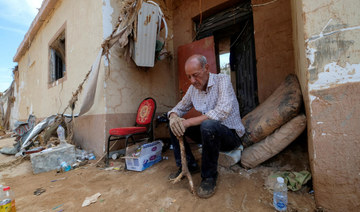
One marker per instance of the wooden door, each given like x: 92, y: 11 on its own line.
x: 243, y: 62
x: 206, y: 47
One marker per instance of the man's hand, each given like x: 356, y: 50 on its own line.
x: 176, y: 125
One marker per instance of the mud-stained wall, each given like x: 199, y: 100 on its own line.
x: 82, y: 22
x: 126, y: 85
x: 185, y: 11
x: 299, y: 46
x: 89, y: 132
x: 332, y: 49
x: 273, y: 37
x: 273, y: 44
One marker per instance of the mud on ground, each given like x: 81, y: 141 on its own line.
x: 237, y: 189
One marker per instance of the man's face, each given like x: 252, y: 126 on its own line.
x: 197, y: 75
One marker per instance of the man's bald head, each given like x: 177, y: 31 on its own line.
x: 197, y: 71
x: 201, y: 59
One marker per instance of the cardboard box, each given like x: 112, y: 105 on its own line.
x: 143, y: 155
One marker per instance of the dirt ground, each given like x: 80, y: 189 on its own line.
x: 238, y: 189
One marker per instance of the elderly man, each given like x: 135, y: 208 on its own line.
x: 219, y: 128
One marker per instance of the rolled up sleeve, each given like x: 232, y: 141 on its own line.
x: 184, y: 105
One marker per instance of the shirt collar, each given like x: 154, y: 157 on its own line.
x: 211, y: 81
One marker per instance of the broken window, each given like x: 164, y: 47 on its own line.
x: 57, y: 58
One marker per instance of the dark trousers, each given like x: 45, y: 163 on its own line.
x: 214, y: 137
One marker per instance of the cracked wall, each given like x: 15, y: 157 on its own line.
x: 126, y: 85
x: 34, y: 94
x: 327, y: 47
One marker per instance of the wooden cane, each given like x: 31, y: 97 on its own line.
x: 184, y: 170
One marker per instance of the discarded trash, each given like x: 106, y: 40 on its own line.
x: 61, y: 134
x: 83, y: 155
x: 91, y: 156
x: 63, y: 165
x: 114, y: 156
x: 63, y: 178
x: 280, y: 195
x: 75, y: 165
x: 57, y: 206
x: 109, y: 168
x: 119, y: 168
x: 293, y: 180
x: 22, y: 128
x: 165, y: 158
x: 26, y: 140
x: 8, y: 199
x: 34, y: 150
x: 137, y: 152
x: 39, y: 191
x: 91, y: 199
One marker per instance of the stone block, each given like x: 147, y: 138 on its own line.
x: 47, y: 160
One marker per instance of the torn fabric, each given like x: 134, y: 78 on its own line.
x: 90, y: 89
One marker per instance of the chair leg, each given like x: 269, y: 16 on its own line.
x: 127, y: 141
x: 108, y: 152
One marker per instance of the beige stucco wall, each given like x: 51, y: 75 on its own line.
x: 82, y: 21
x: 127, y: 85
x: 273, y: 44
x: 81, y: 50
x: 327, y: 53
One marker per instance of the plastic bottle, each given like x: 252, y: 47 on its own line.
x: 2, y: 203
x: 61, y: 134
x: 280, y: 199
x: 8, y: 202
x: 63, y: 165
x: 114, y: 156
x: 91, y: 156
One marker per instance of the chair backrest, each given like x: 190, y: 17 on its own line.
x: 146, y: 111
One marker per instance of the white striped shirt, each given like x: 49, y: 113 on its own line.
x: 217, y: 102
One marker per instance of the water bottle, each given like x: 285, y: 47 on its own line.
x: 63, y: 165
x: 280, y: 195
x: 114, y: 156
x: 91, y: 156
x: 2, y: 202
x: 61, y: 134
x: 8, y: 200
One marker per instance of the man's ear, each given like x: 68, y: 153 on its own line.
x: 206, y: 67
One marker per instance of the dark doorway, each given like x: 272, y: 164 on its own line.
x: 233, y: 29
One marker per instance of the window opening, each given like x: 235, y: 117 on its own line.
x: 57, y: 58
x: 225, y: 63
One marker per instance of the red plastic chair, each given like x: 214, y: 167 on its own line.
x: 143, y: 126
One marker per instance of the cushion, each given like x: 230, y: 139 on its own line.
x: 145, y: 112
x: 126, y: 130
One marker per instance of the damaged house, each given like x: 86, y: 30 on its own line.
x: 266, y: 39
